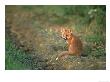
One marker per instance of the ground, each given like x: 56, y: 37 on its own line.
x: 33, y: 39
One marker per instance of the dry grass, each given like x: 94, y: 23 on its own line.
x: 34, y: 31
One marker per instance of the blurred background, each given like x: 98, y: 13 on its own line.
x: 32, y: 36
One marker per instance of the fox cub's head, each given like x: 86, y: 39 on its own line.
x: 66, y: 33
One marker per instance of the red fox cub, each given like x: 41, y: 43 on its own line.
x: 74, y: 44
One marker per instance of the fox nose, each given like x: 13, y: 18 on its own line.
x: 65, y: 38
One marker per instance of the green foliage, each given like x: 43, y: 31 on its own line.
x: 16, y: 58
x: 38, y: 27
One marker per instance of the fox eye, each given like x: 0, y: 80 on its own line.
x: 66, y: 35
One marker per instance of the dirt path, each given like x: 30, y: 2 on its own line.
x: 41, y: 38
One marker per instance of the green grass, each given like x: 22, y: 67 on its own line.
x: 35, y: 26
x: 16, y: 58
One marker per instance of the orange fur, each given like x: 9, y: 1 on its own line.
x: 74, y: 44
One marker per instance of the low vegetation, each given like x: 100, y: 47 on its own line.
x: 33, y: 37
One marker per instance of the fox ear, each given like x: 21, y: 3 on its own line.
x: 69, y: 30
x: 62, y: 29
